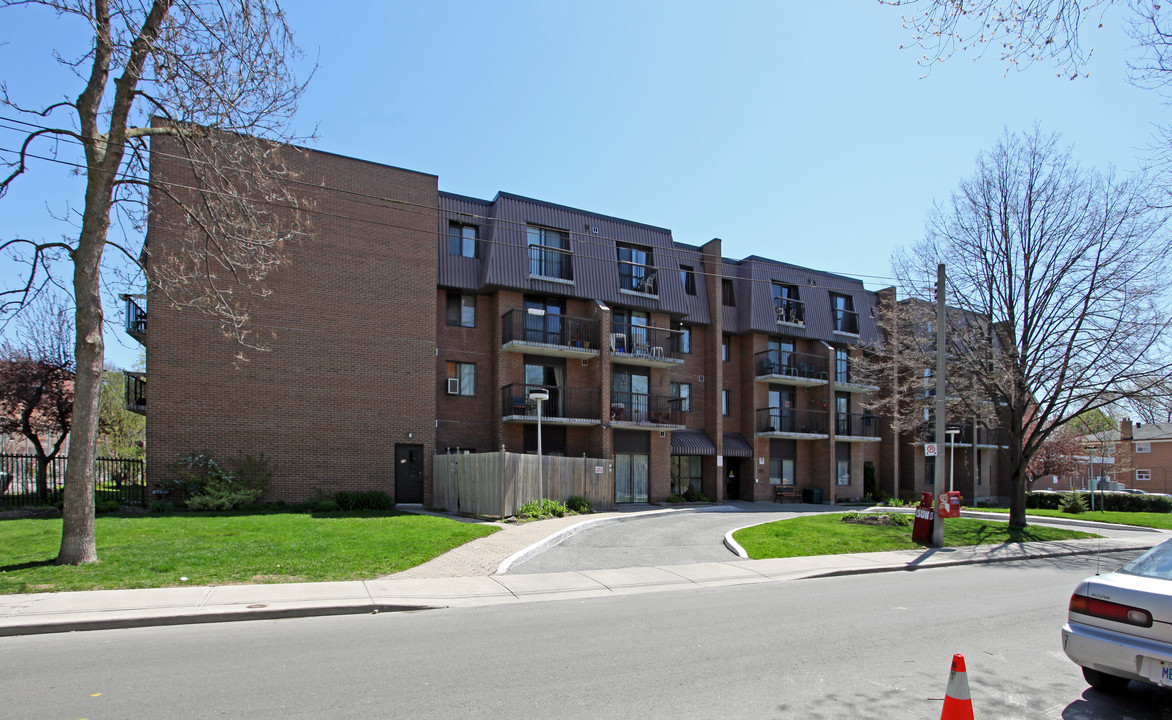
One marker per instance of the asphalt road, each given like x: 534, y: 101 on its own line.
x: 672, y: 539
x: 868, y: 646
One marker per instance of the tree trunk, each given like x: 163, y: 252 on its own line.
x: 42, y: 476
x: 77, y: 534
x: 1017, y: 501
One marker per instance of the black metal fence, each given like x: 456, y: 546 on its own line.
x: 120, y: 479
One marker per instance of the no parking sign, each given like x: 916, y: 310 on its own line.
x: 930, y: 450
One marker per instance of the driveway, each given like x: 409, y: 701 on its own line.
x: 683, y: 538
x: 679, y: 538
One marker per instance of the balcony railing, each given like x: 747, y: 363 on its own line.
x: 985, y: 436
x: 792, y: 420
x: 846, y: 321
x: 136, y: 392
x: 550, y: 262
x: 564, y: 403
x: 638, y: 278
x: 791, y: 364
x: 645, y: 408
x: 549, y: 329
x: 136, y: 319
x: 644, y: 342
x: 857, y: 425
x: 790, y: 310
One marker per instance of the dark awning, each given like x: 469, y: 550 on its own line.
x: 735, y: 445
x: 691, y: 442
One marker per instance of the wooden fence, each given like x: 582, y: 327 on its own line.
x: 497, y: 484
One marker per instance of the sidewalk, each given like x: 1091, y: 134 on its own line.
x: 466, y: 576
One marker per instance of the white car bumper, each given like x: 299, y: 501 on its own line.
x: 1118, y: 654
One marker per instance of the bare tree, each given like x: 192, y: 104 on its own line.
x: 1059, y: 272
x: 1152, y: 401
x: 36, y: 383
x: 208, y: 73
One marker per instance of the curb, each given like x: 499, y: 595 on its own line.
x: 560, y: 536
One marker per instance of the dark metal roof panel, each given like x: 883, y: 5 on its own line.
x: 696, y: 305
x: 735, y: 445
x: 691, y: 442
x: 456, y: 271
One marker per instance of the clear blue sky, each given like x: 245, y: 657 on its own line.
x: 798, y: 131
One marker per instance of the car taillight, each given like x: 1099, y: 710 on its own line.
x: 1108, y: 610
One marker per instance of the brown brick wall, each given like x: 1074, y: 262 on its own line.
x: 349, y: 369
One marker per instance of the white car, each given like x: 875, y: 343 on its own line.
x: 1119, y: 627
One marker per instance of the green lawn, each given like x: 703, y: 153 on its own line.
x: 828, y: 535
x: 1162, y: 521
x: 214, y: 549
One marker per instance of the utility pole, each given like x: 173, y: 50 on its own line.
x: 937, y: 521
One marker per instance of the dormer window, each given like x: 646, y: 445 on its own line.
x: 637, y: 269
x: 462, y: 239
x: 846, y: 320
x: 789, y: 308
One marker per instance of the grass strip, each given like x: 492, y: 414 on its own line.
x: 147, y: 551
x: 1162, y: 521
x: 828, y: 535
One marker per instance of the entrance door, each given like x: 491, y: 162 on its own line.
x: 732, y: 480
x: 630, y: 478
x: 408, y: 473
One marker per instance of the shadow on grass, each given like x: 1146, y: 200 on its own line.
x: 28, y: 565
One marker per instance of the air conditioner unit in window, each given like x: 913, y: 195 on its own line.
x: 453, y: 386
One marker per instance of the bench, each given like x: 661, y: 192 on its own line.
x: 787, y: 492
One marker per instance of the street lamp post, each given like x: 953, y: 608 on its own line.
x: 951, y: 433
x: 539, y: 396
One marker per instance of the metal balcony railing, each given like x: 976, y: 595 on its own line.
x: 792, y: 420
x: 846, y: 321
x: 857, y: 425
x: 136, y: 392
x: 984, y: 436
x: 646, y: 408
x: 791, y: 364
x: 564, y: 403
x: 550, y: 262
x: 549, y: 329
x: 643, y: 341
x: 136, y: 319
x: 790, y: 310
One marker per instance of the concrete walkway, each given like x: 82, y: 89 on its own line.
x: 475, y: 574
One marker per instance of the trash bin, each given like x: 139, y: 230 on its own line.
x: 812, y: 495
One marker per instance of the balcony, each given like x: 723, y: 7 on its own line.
x: 566, y: 405
x: 790, y: 311
x: 786, y: 367
x: 641, y: 410
x: 551, y: 263
x: 793, y: 423
x: 136, y: 392
x: 856, y: 427
x: 846, y: 322
x: 844, y: 381
x: 646, y: 346
x: 986, y: 437
x: 136, y: 319
x: 638, y: 279
x: 538, y: 332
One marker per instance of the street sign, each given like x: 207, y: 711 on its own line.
x: 930, y: 450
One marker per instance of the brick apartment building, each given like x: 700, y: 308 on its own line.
x: 1144, y: 453
x: 418, y: 322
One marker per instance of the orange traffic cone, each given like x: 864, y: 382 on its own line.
x: 958, y: 705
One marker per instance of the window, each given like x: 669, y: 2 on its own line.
x: 781, y: 359
x: 465, y: 375
x: 549, y: 374
x: 724, y: 403
x: 684, y: 392
x: 842, y: 365
x: 681, y: 340
x: 461, y: 310
x: 1143, y: 447
x: 543, y: 320
x: 781, y: 471
x: 786, y: 304
x: 685, y: 473
x: 549, y: 253
x: 462, y: 239
x: 846, y: 320
x: 724, y: 348
x: 727, y: 293
x: 629, y: 396
x: 1143, y: 475
x: 688, y: 277
x: 842, y: 463
x: 637, y: 269
x: 630, y: 327
x: 842, y: 409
